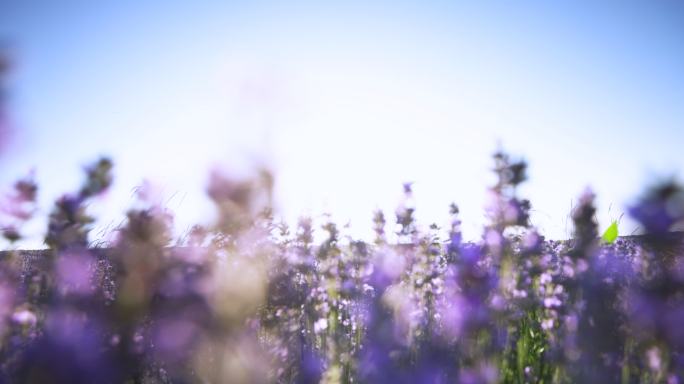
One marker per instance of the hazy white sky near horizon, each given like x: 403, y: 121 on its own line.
x: 347, y: 100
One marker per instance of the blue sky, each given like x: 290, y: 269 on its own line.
x: 347, y: 100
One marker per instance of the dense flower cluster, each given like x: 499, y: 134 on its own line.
x: 250, y: 300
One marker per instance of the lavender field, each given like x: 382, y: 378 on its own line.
x: 249, y: 300
x: 358, y: 191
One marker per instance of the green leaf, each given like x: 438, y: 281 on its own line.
x: 611, y: 233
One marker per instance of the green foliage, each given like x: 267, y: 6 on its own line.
x: 611, y: 233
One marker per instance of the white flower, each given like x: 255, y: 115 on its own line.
x: 320, y: 325
x: 24, y: 317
